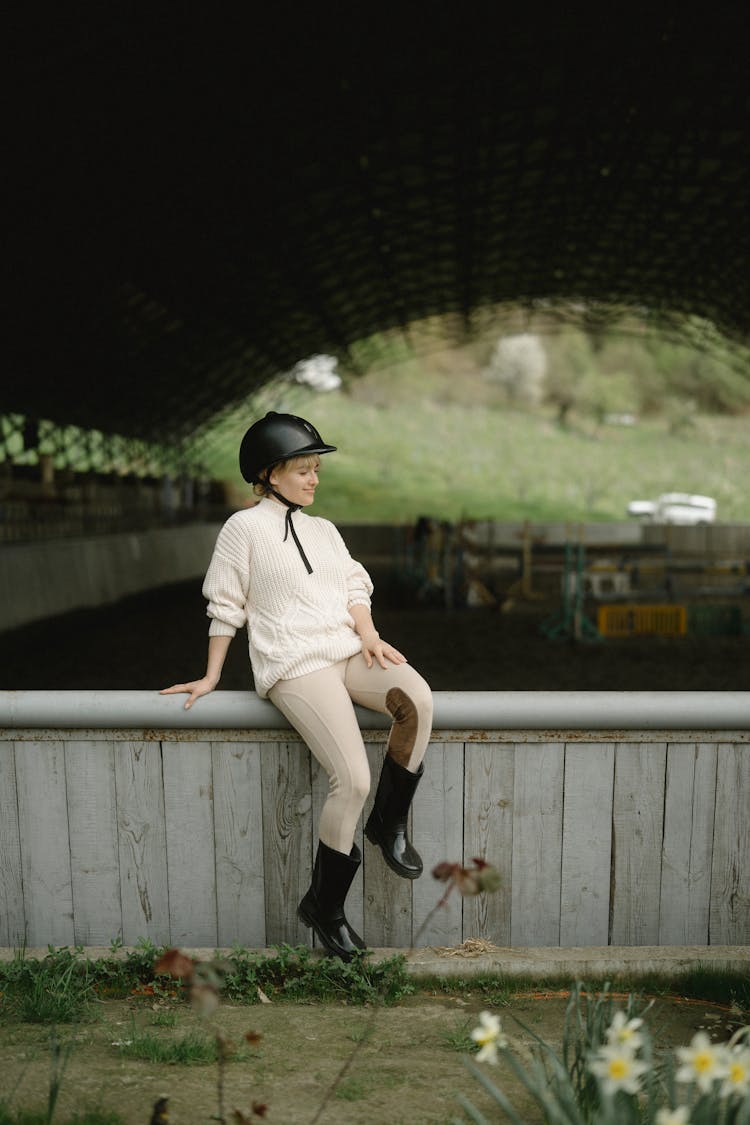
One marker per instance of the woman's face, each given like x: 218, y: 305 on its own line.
x: 297, y: 480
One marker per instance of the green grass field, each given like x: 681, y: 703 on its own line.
x: 413, y: 445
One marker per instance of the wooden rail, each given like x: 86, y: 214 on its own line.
x: 201, y: 836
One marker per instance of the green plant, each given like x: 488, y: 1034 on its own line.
x: 164, y: 1018
x: 39, y: 1117
x: 296, y: 973
x: 608, y: 1072
x: 192, y: 1049
x: 350, y: 1090
x: 60, y: 1053
x: 54, y: 989
x: 459, y: 1038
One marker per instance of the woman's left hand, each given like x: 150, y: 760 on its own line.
x: 374, y: 647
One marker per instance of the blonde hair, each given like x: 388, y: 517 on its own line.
x: 263, y: 486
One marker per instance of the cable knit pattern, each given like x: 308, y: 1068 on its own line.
x: 296, y: 622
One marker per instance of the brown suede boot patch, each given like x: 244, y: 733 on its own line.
x: 404, y: 729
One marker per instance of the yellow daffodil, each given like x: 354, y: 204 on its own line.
x: 617, y: 1068
x: 737, y: 1080
x: 702, y: 1062
x: 624, y: 1032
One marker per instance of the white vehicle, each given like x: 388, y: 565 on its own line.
x: 684, y: 508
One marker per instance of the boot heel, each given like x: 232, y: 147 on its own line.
x: 304, y: 917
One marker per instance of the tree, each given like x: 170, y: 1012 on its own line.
x: 519, y: 364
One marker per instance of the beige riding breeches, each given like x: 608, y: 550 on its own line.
x: 320, y: 707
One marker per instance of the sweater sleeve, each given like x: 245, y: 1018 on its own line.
x: 226, y: 584
x: 358, y: 582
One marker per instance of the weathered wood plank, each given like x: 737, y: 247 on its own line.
x: 287, y: 838
x: 142, y: 842
x: 438, y: 836
x: 388, y: 898
x: 688, y: 843
x: 637, y: 830
x: 45, y: 847
x: 586, y: 844
x: 488, y: 834
x: 189, y: 823
x: 537, y: 844
x: 94, y: 851
x: 730, y: 875
x: 238, y: 822
x: 12, y: 919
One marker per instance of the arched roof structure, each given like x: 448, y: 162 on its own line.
x: 198, y: 202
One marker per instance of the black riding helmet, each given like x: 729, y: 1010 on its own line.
x: 275, y: 438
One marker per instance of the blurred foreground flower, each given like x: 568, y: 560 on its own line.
x: 174, y: 963
x: 617, y: 1068
x: 205, y: 981
x: 702, y: 1062
x: 480, y: 877
x: 678, y: 1116
x: 737, y: 1080
x: 624, y: 1032
x: 489, y: 1036
x: 632, y: 1083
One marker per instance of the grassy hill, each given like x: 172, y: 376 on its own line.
x: 435, y: 438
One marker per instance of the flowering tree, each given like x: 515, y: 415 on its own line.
x: 519, y: 364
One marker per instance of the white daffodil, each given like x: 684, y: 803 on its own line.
x: 617, y: 1068
x: 489, y: 1036
x: 737, y: 1080
x: 678, y: 1116
x: 625, y: 1032
x: 702, y: 1062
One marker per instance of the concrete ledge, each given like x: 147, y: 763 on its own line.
x: 463, y: 961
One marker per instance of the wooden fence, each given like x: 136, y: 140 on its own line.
x: 206, y: 837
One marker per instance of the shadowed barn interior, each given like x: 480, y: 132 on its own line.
x: 197, y: 202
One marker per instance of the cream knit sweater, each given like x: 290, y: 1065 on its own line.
x: 296, y: 622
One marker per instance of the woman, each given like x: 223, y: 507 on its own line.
x: 315, y: 652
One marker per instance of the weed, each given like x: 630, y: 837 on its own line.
x: 489, y: 988
x: 54, y: 989
x: 39, y: 1117
x: 351, y: 1090
x: 164, y: 1018
x: 459, y: 1039
x: 61, y: 987
x: 296, y: 973
x: 721, y: 986
x: 192, y: 1049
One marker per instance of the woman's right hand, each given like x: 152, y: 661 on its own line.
x: 195, y: 689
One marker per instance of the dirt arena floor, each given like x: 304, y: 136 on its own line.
x: 159, y: 638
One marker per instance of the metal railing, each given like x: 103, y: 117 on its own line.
x: 454, y: 710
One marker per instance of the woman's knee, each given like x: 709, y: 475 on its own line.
x: 353, y: 786
x: 411, y: 709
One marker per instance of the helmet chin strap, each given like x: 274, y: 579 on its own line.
x: 290, y: 510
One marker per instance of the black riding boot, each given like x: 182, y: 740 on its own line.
x: 323, y: 905
x: 386, y: 825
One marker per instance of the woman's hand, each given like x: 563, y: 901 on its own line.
x: 195, y: 689
x: 373, y: 646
